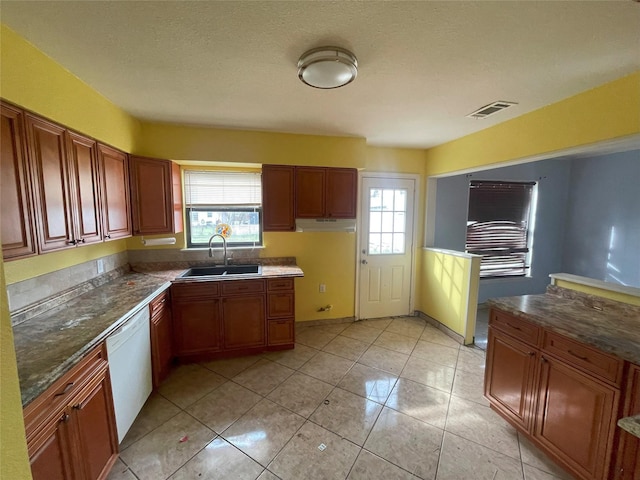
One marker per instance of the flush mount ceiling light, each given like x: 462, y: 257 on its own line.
x: 327, y: 67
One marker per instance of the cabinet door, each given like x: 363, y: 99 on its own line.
x: 152, y: 192
x: 341, y: 192
x: 281, y: 331
x: 628, y: 451
x: 278, y: 198
x: 18, y: 230
x: 161, y: 345
x: 48, y: 161
x: 96, y: 428
x: 574, y: 418
x: 243, y: 321
x: 196, y: 325
x: 310, y: 192
x: 509, y: 377
x: 114, y: 171
x: 83, y: 168
x: 50, y: 452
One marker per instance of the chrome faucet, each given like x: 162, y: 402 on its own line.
x: 224, y: 247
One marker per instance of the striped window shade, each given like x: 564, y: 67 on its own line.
x: 204, y: 188
x: 498, y: 226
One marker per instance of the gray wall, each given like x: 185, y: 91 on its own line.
x: 602, y: 234
x: 553, y: 178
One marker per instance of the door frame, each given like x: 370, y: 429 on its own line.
x: 416, y: 177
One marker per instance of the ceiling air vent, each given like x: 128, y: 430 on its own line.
x: 490, y: 109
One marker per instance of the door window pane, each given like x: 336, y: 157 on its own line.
x: 387, y: 221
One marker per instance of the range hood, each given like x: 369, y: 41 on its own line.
x: 325, y: 225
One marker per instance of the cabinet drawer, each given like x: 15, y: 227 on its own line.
x: 280, y: 305
x: 583, y: 357
x: 280, y: 284
x: 242, y: 286
x: 280, y: 332
x: 58, y: 395
x: 516, y: 327
x: 159, y: 303
x: 195, y: 289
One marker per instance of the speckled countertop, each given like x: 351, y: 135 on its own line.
x: 631, y: 425
x: 50, y: 344
x: 610, y: 326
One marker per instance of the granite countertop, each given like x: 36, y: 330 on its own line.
x: 50, y: 344
x: 631, y: 425
x: 610, y: 326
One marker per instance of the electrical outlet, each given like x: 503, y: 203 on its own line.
x: 323, y: 288
x: 100, y: 265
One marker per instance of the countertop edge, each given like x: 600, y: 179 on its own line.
x: 631, y: 425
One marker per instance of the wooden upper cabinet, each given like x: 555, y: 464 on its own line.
x: 326, y: 192
x: 278, y: 198
x: 84, y: 182
x: 18, y: 229
x: 310, y: 192
x: 157, y: 196
x: 49, y: 169
x: 116, y: 214
x: 341, y: 195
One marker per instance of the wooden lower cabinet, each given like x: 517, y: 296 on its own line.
x: 161, y: 338
x: 243, y: 321
x: 196, y: 325
x: 71, y: 429
x: 575, y: 417
x: 510, y: 377
x: 281, y: 312
x: 50, y: 454
x: 568, y: 409
x: 232, y: 317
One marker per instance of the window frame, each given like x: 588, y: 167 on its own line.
x: 194, y: 180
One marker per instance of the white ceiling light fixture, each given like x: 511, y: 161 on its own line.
x: 327, y: 67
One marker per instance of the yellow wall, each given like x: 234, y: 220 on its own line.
x: 14, y: 463
x: 34, y: 81
x: 448, y: 291
x: 603, y: 113
x: 599, y: 292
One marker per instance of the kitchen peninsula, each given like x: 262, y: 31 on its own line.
x: 563, y: 368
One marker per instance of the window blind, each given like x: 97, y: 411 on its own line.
x: 497, y: 226
x: 203, y: 188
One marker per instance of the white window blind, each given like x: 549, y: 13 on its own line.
x: 222, y: 188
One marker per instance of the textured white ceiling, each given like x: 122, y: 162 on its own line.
x: 423, y: 65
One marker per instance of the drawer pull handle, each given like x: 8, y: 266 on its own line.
x: 64, y: 418
x: 514, y: 327
x: 78, y: 406
x: 586, y: 359
x: 531, y: 354
x: 66, y: 389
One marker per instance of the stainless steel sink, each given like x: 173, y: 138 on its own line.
x: 222, y: 270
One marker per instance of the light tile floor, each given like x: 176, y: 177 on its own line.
x: 378, y: 399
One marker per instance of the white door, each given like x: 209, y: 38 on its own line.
x: 386, y: 247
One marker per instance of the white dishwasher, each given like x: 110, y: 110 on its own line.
x: 129, y: 352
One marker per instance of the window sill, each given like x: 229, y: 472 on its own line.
x: 498, y: 280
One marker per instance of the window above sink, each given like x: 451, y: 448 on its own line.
x: 223, y: 202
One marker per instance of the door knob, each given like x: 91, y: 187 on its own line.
x: 364, y: 262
